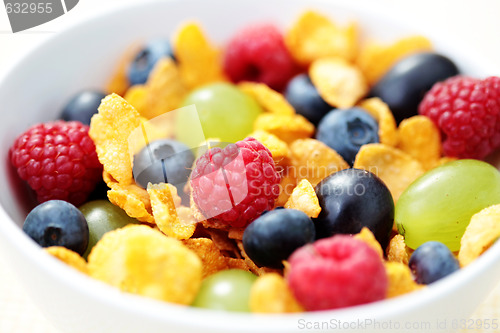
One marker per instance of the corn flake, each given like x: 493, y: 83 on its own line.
x: 314, y: 36
x: 313, y: 160
x: 287, y: 184
x: 110, y: 129
x: 165, y: 89
x: 387, y: 130
x: 367, y: 236
x: 338, y: 82
x: 482, y: 231
x: 396, y: 168
x: 397, y: 250
x: 304, y: 199
x: 375, y: 60
x: 270, y: 294
x: 286, y: 127
x: 134, y: 200
x: 165, y: 213
x: 140, y: 260
x: 211, y: 258
x: 137, y: 97
x: 269, y: 99
x: 420, y: 138
x: 400, y: 279
x: 278, y: 148
x: 69, y: 257
x: 198, y: 60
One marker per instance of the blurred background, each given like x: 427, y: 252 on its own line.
x: 473, y: 23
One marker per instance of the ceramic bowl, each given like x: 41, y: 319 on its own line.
x: 83, y: 56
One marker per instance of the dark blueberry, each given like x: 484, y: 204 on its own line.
x: 403, y: 87
x: 351, y: 199
x: 304, y: 97
x: 58, y: 223
x: 273, y: 236
x: 432, y: 261
x: 164, y: 161
x: 347, y: 130
x: 145, y: 60
x: 82, y: 106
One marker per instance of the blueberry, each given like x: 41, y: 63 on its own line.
x: 405, y: 84
x: 347, y: 130
x: 164, y: 161
x: 304, y: 97
x: 58, y: 223
x: 82, y: 106
x: 273, y: 236
x: 146, y: 59
x: 351, y: 199
x: 432, y: 261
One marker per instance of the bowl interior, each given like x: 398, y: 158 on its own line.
x: 85, y: 55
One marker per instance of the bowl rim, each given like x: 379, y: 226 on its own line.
x: 173, y: 313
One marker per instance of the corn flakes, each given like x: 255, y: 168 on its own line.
x: 69, y: 257
x: 396, y: 168
x: 482, y: 231
x: 269, y: 99
x: 286, y: 127
x: 367, y: 236
x: 313, y: 36
x: 338, y: 82
x: 304, y: 199
x: 140, y: 260
x: 211, y: 258
x: 397, y: 250
x: 400, y: 279
x: 278, y: 148
x: 119, y: 83
x: 387, y: 130
x: 270, y: 294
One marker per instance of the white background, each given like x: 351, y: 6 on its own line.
x: 476, y: 24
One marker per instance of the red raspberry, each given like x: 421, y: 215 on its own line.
x: 58, y: 160
x: 235, y: 184
x: 336, y: 272
x: 258, y: 53
x: 467, y: 112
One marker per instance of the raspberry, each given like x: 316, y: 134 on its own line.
x: 235, y: 184
x: 467, y: 112
x: 58, y: 160
x: 258, y: 53
x: 336, y: 272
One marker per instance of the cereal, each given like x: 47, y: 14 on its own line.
x: 69, y: 257
x: 198, y: 60
x: 420, y: 138
x: 163, y: 205
x: 270, y: 294
x: 338, y: 82
x: 134, y: 200
x: 287, y: 184
x: 250, y: 264
x: 269, y: 99
x: 286, y: 127
x: 137, y: 97
x: 396, y: 168
x: 211, y: 258
x: 140, y: 260
x: 387, y: 130
x: 236, y: 233
x: 313, y: 160
x: 110, y: 129
x: 375, y: 59
x: 313, y: 36
x: 400, y: 279
x: 165, y: 89
x: 367, y: 236
x: 482, y: 231
x: 304, y: 199
x: 278, y: 148
x: 397, y: 250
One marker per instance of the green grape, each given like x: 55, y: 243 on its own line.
x: 438, y: 205
x: 102, y: 216
x: 227, y: 290
x: 224, y: 111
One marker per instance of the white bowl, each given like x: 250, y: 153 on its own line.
x: 82, y: 57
